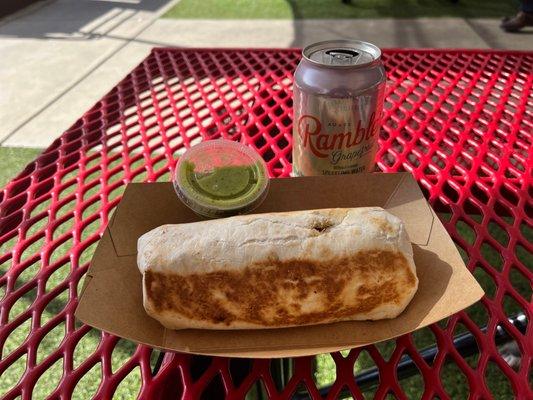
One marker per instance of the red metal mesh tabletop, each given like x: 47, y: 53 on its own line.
x: 460, y: 121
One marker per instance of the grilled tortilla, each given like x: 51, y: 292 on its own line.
x: 278, y: 270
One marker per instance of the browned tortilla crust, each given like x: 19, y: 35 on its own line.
x: 273, y: 294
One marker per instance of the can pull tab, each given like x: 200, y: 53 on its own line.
x: 341, y: 57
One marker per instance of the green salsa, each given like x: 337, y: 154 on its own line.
x: 227, y: 187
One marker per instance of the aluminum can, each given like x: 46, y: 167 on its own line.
x: 339, y: 88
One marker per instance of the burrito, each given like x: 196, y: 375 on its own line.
x: 278, y: 270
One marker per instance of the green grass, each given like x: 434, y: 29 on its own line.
x: 323, y: 9
x: 13, y: 160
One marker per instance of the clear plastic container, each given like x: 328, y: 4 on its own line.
x: 220, y: 178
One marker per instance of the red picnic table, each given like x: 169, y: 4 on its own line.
x: 460, y: 121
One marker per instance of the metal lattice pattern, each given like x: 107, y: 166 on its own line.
x: 460, y: 121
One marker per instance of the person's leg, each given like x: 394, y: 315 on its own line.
x: 522, y: 19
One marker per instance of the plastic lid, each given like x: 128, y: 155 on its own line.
x: 219, y: 178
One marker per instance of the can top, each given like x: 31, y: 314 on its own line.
x: 342, y: 53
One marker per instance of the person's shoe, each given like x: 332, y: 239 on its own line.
x: 519, y: 21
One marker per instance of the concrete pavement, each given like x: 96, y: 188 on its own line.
x: 49, y: 49
x: 57, y: 61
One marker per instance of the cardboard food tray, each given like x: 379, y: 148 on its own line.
x: 111, y: 299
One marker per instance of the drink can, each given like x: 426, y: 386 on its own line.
x: 339, y: 88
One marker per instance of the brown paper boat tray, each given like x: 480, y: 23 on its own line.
x: 111, y: 299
